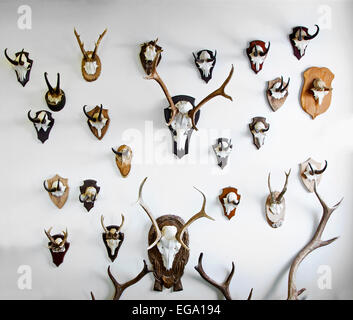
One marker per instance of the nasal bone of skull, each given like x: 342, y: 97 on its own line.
x: 259, y: 126
x: 204, y: 55
x: 184, y: 106
x: 91, y: 191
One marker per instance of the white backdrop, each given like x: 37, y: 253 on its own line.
x: 262, y: 255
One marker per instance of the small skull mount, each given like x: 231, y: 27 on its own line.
x: 229, y: 199
x: 91, y: 64
x: 276, y: 204
x: 43, y: 123
x: 181, y: 126
x: 311, y: 171
x: 299, y: 39
x: 222, y: 148
x: 257, y: 53
x: 55, y: 98
x: 168, y: 240
x: 58, y: 246
x: 277, y: 92
x: 123, y: 158
x: 147, y: 54
x: 88, y: 193
x: 58, y: 189
x: 205, y: 60
x: 316, y: 92
x: 22, y: 65
x: 98, y: 121
x: 258, y: 128
x: 113, y: 238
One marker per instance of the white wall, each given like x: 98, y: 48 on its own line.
x: 262, y: 255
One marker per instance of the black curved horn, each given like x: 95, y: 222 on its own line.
x: 51, y: 90
x: 266, y: 50
x: 46, y: 188
x: 300, y: 37
x: 20, y: 58
x: 322, y: 170
x: 309, y: 37
x: 57, y: 89
x: 280, y: 87
x: 100, y: 113
x: 285, y: 86
x: 312, y: 172
x: 9, y: 59
x: 256, y: 52
x: 34, y: 120
x: 87, y: 115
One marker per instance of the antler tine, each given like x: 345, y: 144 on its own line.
x: 102, y: 223
x: 98, y: 42
x: 153, y: 220
x: 201, y: 214
x: 313, y: 244
x: 155, y: 76
x: 120, y: 288
x: 218, y: 92
x: 280, y: 196
x: 122, y: 222
x: 269, y: 187
x: 81, y: 44
x: 49, y: 235
x: 62, y: 243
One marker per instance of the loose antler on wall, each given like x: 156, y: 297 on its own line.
x: 313, y: 244
x: 223, y: 287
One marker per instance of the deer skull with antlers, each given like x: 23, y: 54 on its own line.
x: 55, y: 98
x: 58, y: 190
x: 168, y: 241
x: 58, y: 246
x: 43, y: 123
x: 91, y: 64
x: 22, y: 65
x: 257, y: 53
x: 299, y: 39
x: 148, y: 53
x: 98, y: 120
x: 182, y: 115
x: 275, y: 204
x: 113, y: 238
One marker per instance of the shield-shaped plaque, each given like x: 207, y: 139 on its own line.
x: 229, y: 205
x: 59, y: 199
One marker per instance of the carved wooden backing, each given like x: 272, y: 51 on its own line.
x: 91, y: 77
x: 105, y: 128
x: 275, y: 104
x: 308, y: 102
x: 309, y: 185
x: 59, y: 201
x: 273, y: 220
x: 224, y: 193
x: 172, y: 276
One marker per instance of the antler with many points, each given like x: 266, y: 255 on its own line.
x: 313, y: 244
x: 201, y: 214
x: 81, y: 44
x: 223, y: 287
x: 120, y: 288
x: 52, y: 240
x: 218, y: 92
x: 284, y: 190
x: 97, y: 43
x: 155, y: 76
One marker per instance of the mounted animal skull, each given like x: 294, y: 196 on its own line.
x: 316, y: 92
x: 43, y: 123
x: 22, y: 66
x: 276, y: 204
x: 229, y: 199
x: 148, y: 53
x: 91, y: 64
x: 182, y: 115
x: 88, y: 193
x: 113, y: 238
x: 123, y: 157
x: 257, y: 53
x: 58, y: 246
x: 98, y: 121
x: 299, y: 39
x: 311, y: 171
x: 222, y: 149
x: 258, y: 129
x: 55, y: 98
x: 58, y: 190
x: 168, y: 241
x: 205, y: 61
x: 277, y: 93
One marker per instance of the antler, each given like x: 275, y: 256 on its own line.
x: 223, y: 287
x: 102, y: 223
x: 80, y: 44
x: 98, y: 42
x: 280, y: 196
x: 155, y: 76
x: 147, y: 210
x: 313, y: 244
x: 122, y: 222
x: 119, y: 288
x: 218, y: 92
x: 201, y: 214
x: 269, y: 187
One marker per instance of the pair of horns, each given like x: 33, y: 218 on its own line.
x: 52, y: 240
x: 280, y: 196
x: 105, y: 228
x: 308, y: 37
x: 57, y: 88
x: 281, y: 88
x: 261, y: 54
x: 52, y: 189
x: 81, y: 44
x: 313, y: 172
x: 14, y: 62
x: 36, y: 120
x: 92, y: 118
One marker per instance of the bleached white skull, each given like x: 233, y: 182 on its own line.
x: 205, y: 63
x: 44, y: 121
x: 230, y: 202
x: 150, y: 52
x: 319, y: 90
x: 22, y: 67
x: 168, y: 246
x: 256, y: 58
x: 60, y: 188
x: 259, y: 132
x: 90, y: 194
x: 98, y: 125
x: 276, y: 93
x: 91, y: 67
